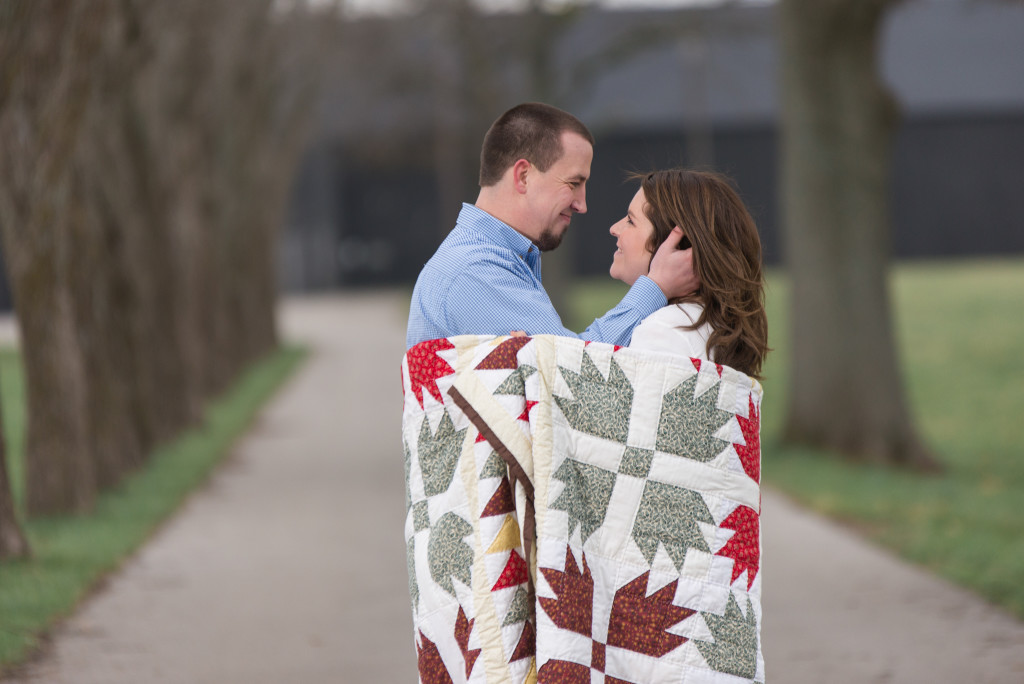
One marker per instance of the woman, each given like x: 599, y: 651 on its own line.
x: 724, y: 320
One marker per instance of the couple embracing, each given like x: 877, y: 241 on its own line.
x: 703, y: 301
x: 583, y: 512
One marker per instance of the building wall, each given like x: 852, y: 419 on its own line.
x: 956, y: 193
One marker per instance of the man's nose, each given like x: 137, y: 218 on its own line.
x: 580, y: 204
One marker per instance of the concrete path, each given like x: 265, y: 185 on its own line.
x: 290, y: 567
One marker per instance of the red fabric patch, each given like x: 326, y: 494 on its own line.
x: 750, y: 453
x: 743, y: 546
x: 431, y: 667
x: 563, y: 672
x: 463, y: 627
x: 504, y: 355
x: 527, y: 645
x: 525, y: 415
x: 514, y: 573
x: 573, y: 609
x: 617, y: 348
x: 426, y: 367
x: 479, y: 438
x: 696, y: 363
x: 501, y: 502
x: 597, y: 656
x: 638, y: 622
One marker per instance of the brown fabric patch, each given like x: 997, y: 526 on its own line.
x: 515, y: 469
x: 504, y: 355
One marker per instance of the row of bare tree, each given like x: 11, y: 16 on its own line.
x: 147, y: 150
x: 837, y: 120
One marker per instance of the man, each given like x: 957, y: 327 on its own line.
x: 485, y: 277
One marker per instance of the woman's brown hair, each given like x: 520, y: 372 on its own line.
x: 726, y: 258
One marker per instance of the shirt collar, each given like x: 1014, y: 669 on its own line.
x: 478, y: 220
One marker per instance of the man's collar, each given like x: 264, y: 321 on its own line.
x: 475, y: 218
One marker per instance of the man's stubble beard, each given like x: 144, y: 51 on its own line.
x: 549, y: 240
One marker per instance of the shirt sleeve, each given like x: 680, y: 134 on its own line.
x: 669, y: 334
x: 490, y: 302
x: 616, y: 326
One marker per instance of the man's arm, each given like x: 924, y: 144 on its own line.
x: 671, y: 275
x: 495, y: 301
x: 616, y: 326
x: 478, y: 303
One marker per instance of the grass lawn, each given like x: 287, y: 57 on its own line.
x: 961, y: 339
x: 72, y: 553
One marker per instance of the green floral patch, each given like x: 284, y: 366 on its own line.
x: 688, y: 423
x: 447, y: 554
x: 735, y: 647
x: 420, y: 516
x: 520, y: 610
x: 599, y: 407
x: 515, y: 383
x: 668, y: 515
x: 587, y: 493
x: 439, y: 454
x: 493, y: 467
x: 636, y: 462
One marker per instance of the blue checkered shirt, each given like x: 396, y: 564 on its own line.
x: 484, y: 279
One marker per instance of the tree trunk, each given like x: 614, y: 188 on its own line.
x: 47, y: 51
x: 846, y: 391
x: 59, y: 468
x: 98, y: 287
x: 12, y: 542
x: 148, y: 149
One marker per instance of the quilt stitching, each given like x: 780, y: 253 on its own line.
x: 633, y: 567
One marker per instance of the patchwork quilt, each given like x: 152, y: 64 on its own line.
x: 581, y: 512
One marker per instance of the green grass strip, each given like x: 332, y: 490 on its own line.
x: 70, y: 554
x: 960, y: 337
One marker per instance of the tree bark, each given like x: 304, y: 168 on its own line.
x: 59, y: 467
x: 148, y: 150
x: 47, y: 49
x: 13, y: 543
x: 846, y: 391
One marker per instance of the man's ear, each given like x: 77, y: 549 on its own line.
x: 520, y: 170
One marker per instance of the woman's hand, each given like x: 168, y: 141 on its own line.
x: 518, y: 333
x: 672, y: 268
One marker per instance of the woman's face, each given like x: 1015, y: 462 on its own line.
x: 632, y: 259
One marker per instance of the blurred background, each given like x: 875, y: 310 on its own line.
x: 408, y: 96
x: 171, y: 172
x: 403, y: 92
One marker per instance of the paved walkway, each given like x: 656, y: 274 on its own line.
x: 290, y: 566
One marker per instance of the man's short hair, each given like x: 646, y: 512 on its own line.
x: 530, y: 131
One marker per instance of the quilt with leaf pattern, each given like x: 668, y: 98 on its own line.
x: 580, y: 513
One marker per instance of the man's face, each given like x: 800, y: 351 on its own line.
x: 556, y: 194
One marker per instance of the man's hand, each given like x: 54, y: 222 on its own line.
x: 672, y: 269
